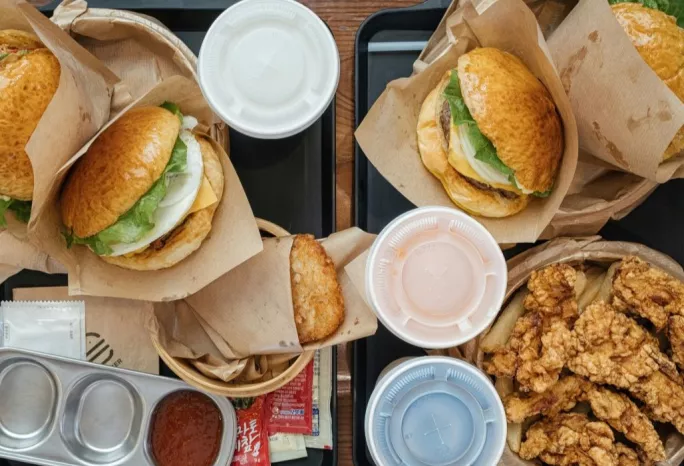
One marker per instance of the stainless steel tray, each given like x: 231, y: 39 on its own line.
x: 58, y: 412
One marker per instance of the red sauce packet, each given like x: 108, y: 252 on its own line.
x: 252, y: 436
x: 290, y: 408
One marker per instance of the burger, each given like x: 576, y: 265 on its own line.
x: 490, y: 132
x: 29, y: 77
x: 144, y: 195
x: 660, y: 42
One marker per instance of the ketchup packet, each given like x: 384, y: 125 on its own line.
x: 251, y: 448
x: 290, y: 408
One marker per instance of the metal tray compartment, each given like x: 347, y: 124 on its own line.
x: 387, y: 44
x: 58, y: 411
x: 97, y: 397
x: 28, y: 402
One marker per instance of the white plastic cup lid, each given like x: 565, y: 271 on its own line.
x: 435, y: 277
x: 435, y: 411
x: 269, y: 68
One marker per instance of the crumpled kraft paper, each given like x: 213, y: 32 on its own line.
x: 244, y: 322
x: 388, y: 133
x: 626, y: 115
x: 599, y: 192
x: 79, y: 108
x: 234, y: 237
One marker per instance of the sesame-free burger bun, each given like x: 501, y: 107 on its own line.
x: 434, y: 152
x: 28, y: 82
x: 120, y: 166
x: 516, y: 112
x: 189, y: 235
x: 15, y: 39
x: 660, y: 42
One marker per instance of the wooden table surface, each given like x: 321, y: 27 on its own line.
x: 344, y: 18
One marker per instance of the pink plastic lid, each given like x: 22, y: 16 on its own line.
x: 435, y: 277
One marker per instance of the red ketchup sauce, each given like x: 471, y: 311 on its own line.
x: 186, y: 430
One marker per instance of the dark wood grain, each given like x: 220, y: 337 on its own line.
x: 344, y: 18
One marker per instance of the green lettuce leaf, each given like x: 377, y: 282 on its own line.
x: 671, y: 7
x: 173, y: 108
x: 542, y: 194
x: 460, y: 115
x: 485, y: 151
x: 4, y: 205
x: 21, y: 210
x: 3, y: 56
x: 139, y: 219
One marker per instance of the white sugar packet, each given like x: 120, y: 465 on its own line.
x: 322, y: 435
x: 286, y: 447
x: 52, y: 327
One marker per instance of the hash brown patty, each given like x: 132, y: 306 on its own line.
x: 316, y: 294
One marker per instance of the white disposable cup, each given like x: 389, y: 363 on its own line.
x: 435, y: 410
x: 435, y: 277
x: 269, y: 68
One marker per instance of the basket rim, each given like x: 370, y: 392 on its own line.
x: 193, y: 377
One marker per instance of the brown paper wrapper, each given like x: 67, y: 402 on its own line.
x: 388, y: 133
x: 578, y: 250
x: 17, y: 254
x: 234, y: 237
x: 598, y: 192
x: 79, y: 107
x: 115, y: 328
x: 139, y: 49
x: 81, y: 104
x: 242, y: 326
x: 626, y: 115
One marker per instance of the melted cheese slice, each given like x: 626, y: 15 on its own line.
x: 459, y: 161
x: 205, y: 197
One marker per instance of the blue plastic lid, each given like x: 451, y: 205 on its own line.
x: 435, y: 411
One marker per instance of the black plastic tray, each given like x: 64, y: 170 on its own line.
x: 290, y: 182
x: 387, y: 44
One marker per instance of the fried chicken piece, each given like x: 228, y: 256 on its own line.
x: 647, y: 291
x: 617, y: 409
x: 541, y: 372
x: 675, y: 332
x: 663, y: 398
x: 609, y: 347
x: 534, y: 356
x: 316, y: 294
x: 536, y: 351
x: 628, y: 457
x: 620, y: 412
x: 573, y: 440
x: 562, y: 396
x: 552, y: 292
x: 524, y: 343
